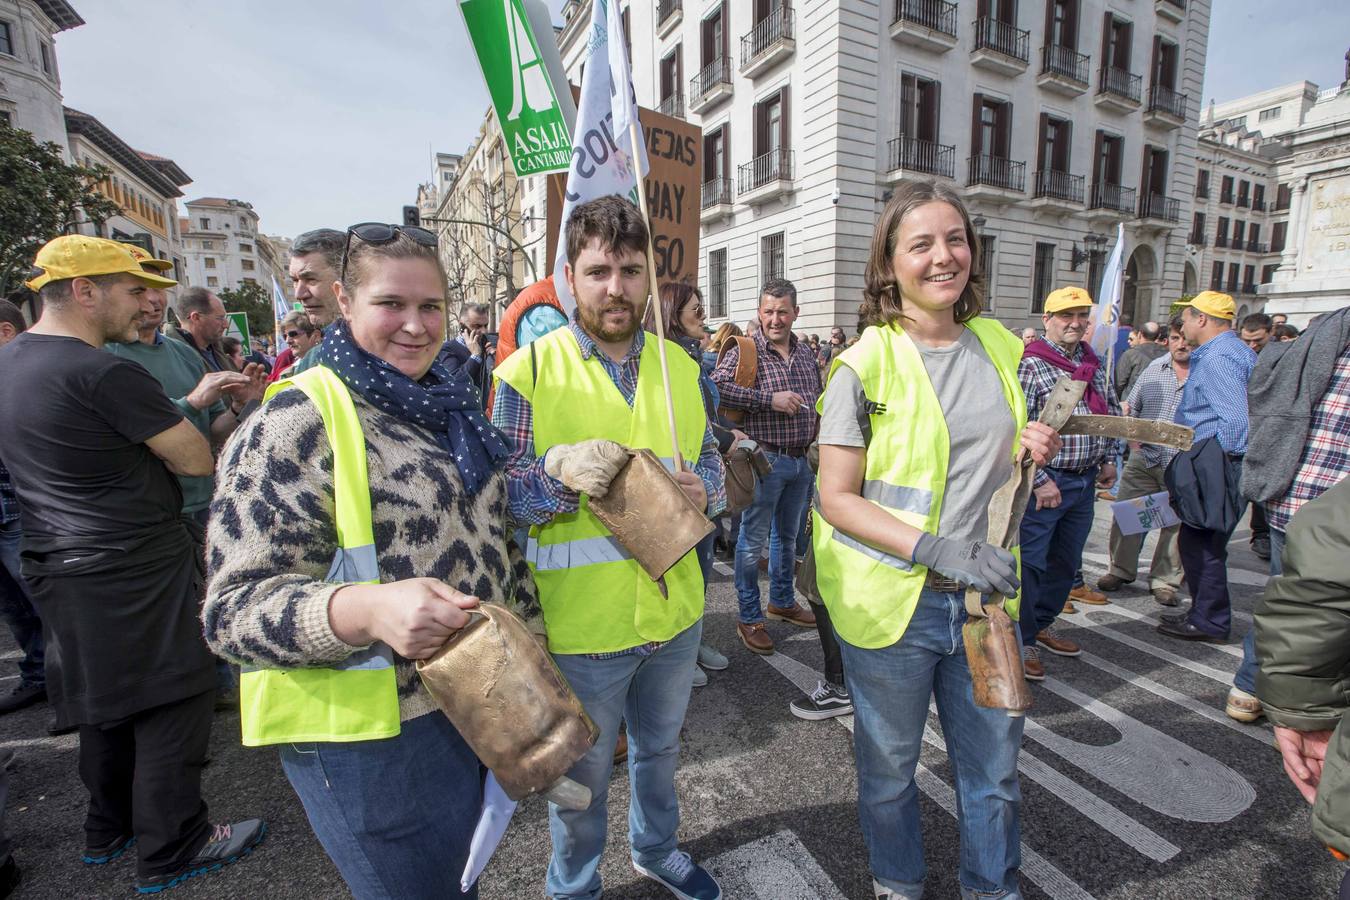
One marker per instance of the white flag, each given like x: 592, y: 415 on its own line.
x: 280, y: 307
x: 602, y: 159
x: 1106, y: 315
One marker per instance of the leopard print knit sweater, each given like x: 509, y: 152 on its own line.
x: 272, y: 538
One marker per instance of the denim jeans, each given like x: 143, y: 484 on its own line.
x: 1245, y: 679
x: 1052, y: 549
x: 16, y: 608
x: 650, y: 694
x: 891, y: 688
x: 395, y: 816
x: 780, y: 498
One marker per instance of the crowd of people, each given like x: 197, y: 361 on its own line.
x: 289, y: 536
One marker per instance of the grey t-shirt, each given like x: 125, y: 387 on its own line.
x: 979, y: 426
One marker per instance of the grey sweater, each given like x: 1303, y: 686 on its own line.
x: 272, y: 537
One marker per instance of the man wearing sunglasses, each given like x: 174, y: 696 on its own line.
x: 201, y: 325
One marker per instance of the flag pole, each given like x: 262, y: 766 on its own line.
x: 654, y: 295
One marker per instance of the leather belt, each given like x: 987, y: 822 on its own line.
x: 942, y: 583
x: 797, y: 452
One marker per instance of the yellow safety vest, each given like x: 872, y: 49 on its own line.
x: 871, y: 594
x: 357, y: 699
x: 595, y: 597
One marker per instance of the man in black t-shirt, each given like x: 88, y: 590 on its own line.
x: 93, y: 445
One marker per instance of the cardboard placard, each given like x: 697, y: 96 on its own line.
x: 1147, y: 513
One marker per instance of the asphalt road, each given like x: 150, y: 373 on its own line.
x: 1134, y: 782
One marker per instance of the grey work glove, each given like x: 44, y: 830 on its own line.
x: 982, y: 566
x: 586, y: 467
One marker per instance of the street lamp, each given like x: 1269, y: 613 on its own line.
x: 1092, y: 244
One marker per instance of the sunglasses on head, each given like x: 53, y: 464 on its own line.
x: 380, y: 233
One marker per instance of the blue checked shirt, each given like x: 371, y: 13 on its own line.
x: 1214, y: 400
x: 1155, y: 395
x: 9, y: 501
x: 1078, y: 451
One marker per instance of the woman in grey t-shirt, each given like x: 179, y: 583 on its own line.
x: 919, y: 425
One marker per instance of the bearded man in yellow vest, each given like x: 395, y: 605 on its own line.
x: 569, y: 404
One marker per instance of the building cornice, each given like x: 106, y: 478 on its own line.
x: 85, y: 125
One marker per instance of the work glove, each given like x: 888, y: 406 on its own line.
x: 586, y: 467
x: 982, y: 566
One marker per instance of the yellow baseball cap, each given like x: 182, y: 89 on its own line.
x: 145, y: 259
x: 1213, y: 303
x: 81, y: 256
x: 1067, y: 298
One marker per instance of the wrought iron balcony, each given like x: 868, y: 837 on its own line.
x: 1243, y: 201
x: 773, y: 168
x: 1064, y: 62
x: 1058, y: 186
x: 913, y: 155
x: 937, y: 15
x: 710, y: 85
x: 770, y: 40
x: 995, y: 171
x: 1120, y: 83
x: 667, y: 8
x: 1112, y: 197
x: 1221, y: 241
x: 1196, y: 239
x: 1002, y: 38
x: 716, y: 202
x: 1202, y: 192
x: 673, y: 105
x: 1166, y: 106
x: 1257, y: 247
x: 1170, y: 9
x: 1226, y: 197
x: 1156, y: 206
x: 1259, y: 205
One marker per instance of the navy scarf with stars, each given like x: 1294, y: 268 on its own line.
x: 444, y: 404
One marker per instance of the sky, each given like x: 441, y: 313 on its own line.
x: 327, y: 112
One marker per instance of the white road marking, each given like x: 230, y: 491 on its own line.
x: 1126, y: 613
x: 1235, y: 575
x: 1043, y: 873
x: 1084, y: 620
x: 1150, y: 767
x: 776, y: 867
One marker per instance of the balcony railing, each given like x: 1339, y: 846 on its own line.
x: 1221, y: 240
x: 776, y: 165
x: 921, y: 156
x: 1065, y: 61
x: 673, y: 105
x: 667, y: 8
x: 716, y: 192
x: 1257, y: 247
x: 1120, y: 82
x: 1226, y: 197
x: 1259, y: 205
x: 714, y: 73
x: 1243, y: 201
x: 1165, y: 100
x: 1156, y: 206
x: 1059, y: 186
x: 1202, y: 192
x: 1198, y: 240
x: 991, y: 34
x: 998, y: 172
x: 938, y: 15
x: 1216, y: 284
x: 1232, y: 286
x: 1112, y: 196
x: 1179, y: 4
x: 775, y: 27
x: 1248, y: 287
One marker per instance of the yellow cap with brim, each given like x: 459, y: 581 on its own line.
x: 1067, y: 298
x: 145, y: 259
x: 81, y: 256
x: 1213, y: 303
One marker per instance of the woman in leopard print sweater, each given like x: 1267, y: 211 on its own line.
x: 395, y: 815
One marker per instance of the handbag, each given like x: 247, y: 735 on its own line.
x: 745, y: 465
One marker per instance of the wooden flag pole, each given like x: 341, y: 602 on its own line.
x: 654, y: 297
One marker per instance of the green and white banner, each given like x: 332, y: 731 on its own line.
x: 238, y: 328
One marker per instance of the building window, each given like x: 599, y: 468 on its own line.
x: 246, y: 264
x: 243, y: 224
x: 6, y: 39
x: 1062, y: 24
x: 209, y: 262
x: 717, y: 283
x: 1249, y: 279
x: 919, y: 108
x: 1254, y: 235
x: 1221, y: 233
x: 988, y: 260
x: 771, y: 124
x: 1226, y: 190
x: 1244, y: 189
x: 717, y: 164
x: 1234, y: 270
x: 1197, y: 229
x: 45, y: 54
x: 250, y: 281
x: 1238, y: 227
x: 1277, y: 235
x: 713, y: 44
x: 206, y: 223
x: 771, y: 256
x: 1265, y: 116
x: 208, y: 245
x: 5, y: 118
x: 1284, y: 195
x: 672, y: 79
x: 1268, y: 273
x: 212, y: 281
x: 1117, y: 36
x: 1043, y: 274
x: 245, y: 248
x: 1165, y: 59
x: 1216, y: 277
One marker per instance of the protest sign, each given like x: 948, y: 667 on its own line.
x: 1147, y: 513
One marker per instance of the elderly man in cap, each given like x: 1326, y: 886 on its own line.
x: 1059, y: 516
x: 93, y: 444
x: 1214, y: 403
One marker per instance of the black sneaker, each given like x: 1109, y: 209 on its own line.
x: 25, y: 694
x: 228, y: 843
x: 1261, y: 546
x: 97, y: 856
x: 825, y: 702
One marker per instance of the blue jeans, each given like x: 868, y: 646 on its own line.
x: 1052, y: 549
x: 650, y: 694
x: 1245, y: 679
x: 891, y: 688
x: 16, y: 608
x: 780, y: 498
x: 395, y: 816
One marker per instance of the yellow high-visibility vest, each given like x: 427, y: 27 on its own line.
x: 871, y: 594
x: 356, y: 699
x: 595, y: 597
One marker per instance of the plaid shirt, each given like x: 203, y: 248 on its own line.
x: 1155, y: 395
x: 1214, y: 401
x: 1326, y: 455
x: 800, y: 372
x: 1079, y: 451
x: 9, y: 501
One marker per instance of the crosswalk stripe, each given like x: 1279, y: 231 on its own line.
x: 1084, y: 620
